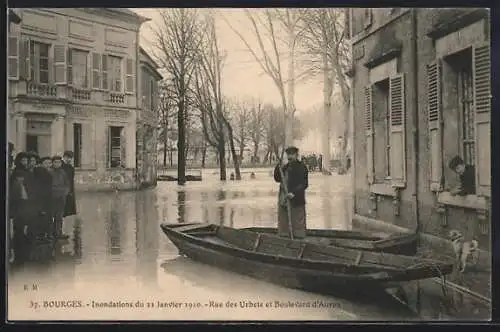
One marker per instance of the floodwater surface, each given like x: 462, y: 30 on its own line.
x: 118, y: 265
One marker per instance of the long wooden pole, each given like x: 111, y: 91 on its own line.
x: 284, y: 187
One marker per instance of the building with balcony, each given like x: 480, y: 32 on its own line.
x: 421, y: 95
x: 73, y: 85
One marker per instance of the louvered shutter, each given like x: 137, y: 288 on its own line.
x: 107, y: 148
x: 13, y: 53
x: 123, y: 147
x: 104, y: 72
x: 96, y: 71
x: 398, y: 135
x: 369, y: 132
x: 130, y: 76
x: 60, y: 64
x: 87, y: 147
x: 24, y: 59
x: 481, y: 61
x: 435, y: 125
x: 70, y: 67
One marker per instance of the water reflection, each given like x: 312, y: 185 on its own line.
x: 147, y: 236
x: 114, y: 231
x: 181, y: 206
x: 125, y: 226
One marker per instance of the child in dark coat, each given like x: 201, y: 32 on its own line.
x: 44, y: 180
x: 23, y: 207
x: 60, y: 190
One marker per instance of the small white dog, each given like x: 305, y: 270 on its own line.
x: 464, y: 249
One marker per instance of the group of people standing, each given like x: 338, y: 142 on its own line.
x: 41, y: 194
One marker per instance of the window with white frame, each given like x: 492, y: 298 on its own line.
x: 114, y: 67
x: 78, y: 73
x: 39, y: 60
x: 381, y: 127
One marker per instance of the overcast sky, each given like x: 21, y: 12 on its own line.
x: 243, y: 76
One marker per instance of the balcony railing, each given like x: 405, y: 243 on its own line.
x: 80, y: 94
x: 41, y: 90
x: 116, y: 98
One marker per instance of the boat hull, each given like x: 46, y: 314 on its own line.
x: 313, y: 280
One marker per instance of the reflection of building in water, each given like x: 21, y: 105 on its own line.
x: 147, y: 233
x: 114, y: 231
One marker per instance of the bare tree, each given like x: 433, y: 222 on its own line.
x: 256, y: 126
x: 264, y: 27
x: 327, y: 52
x: 167, y: 111
x: 178, y: 37
x: 240, y: 121
x: 214, y: 109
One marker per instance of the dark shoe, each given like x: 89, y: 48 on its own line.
x: 63, y: 236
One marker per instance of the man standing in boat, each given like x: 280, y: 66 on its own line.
x: 296, y: 182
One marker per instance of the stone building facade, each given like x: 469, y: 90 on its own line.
x: 147, y: 121
x: 73, y: 86
x: 421, y: 95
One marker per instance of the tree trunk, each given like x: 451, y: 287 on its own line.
x: 165, y: 148
x: 181, y: 158
x: 203, y: 155
x: 255, y: 152
x: 290, y: 110
x: 222, y: 160
x: 236, y: 161
x: 327, y: 93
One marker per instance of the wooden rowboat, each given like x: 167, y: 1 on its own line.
x: 296, y: 263
x: 401, y: 243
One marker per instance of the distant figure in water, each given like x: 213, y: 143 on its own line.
x: 296, y: 181
x: 231, y: 177
x: 252, y: 176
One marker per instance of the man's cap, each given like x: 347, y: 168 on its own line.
x: 291, y: 150
x: 56, y: 158
x: 455, y: 162
x: 68, y: 153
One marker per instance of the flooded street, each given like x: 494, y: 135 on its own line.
x: 118, y: 253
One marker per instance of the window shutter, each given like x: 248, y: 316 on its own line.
x: 398, y: 134
x: 13, y: 57
x: 87, y: 147
x: 96, y: 70
x: 435, y: 125
x: 369, y: 133
x: 123, y: 147
x: 60, y: 64
x: 70, y: 68
x: 107, y: 154
x: 24, y: 59
x: 130, y: 79
x: 481, y: 61
x: 104, y: 72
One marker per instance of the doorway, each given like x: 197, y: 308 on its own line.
x: 32, y: 144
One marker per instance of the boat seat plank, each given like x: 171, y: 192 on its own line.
x: 275, y: 245
x: 241, y: 239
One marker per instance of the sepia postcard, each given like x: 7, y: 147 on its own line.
x: 226, y: 164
